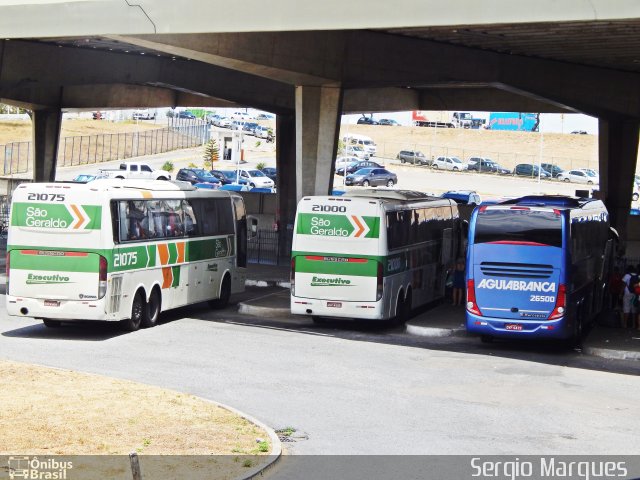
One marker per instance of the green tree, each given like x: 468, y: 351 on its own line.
x: 211, y: 153
x: 168, y: 166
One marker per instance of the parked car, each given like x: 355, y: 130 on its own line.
x: 344, y: 161
x: 579, y: 132
x: 211, y: 118
x: 232, y: 177
x: 88, y: 177
x: 98, y: 115
x: 237, y: 124
x: 197, y: 175
x: 240, y: 116
x: 578, y: 176
x: 250, y: 127
x: 135, y: 170
x: 449, y: 163
x: 271, y: 172
x: 465, y: 197
x: 554, y: 170
x: 356, y: 151
x: 262, y: 132
x: 355, y: 166
x: 528, y: 170
x: 388, y: 121
x: 220, y: 175
x: 223, y: 122
x: 371, y: 177
x: 144, y: 115
x: 484, y: 164
x: 186, y: 114
x: 255, y: 178
x: 264, y: 116
x: 413, y: 156
x: 367, y: 121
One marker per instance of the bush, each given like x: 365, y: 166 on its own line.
x: 167, y: 167
x: 260, y: 165
x: 258, y: 143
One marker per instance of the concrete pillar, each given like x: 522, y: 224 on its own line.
x: 286, y: 166
x: 318, y: 112
x: 618, y: 153
x: 46, y: 137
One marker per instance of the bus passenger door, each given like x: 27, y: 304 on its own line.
x: 446, y: 258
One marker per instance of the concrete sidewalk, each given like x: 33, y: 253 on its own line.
x: 441, y: 321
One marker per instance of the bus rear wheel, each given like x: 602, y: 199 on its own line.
x: 225, y: 294
x: 51, y: 323
x: 137, y: 312
x: 486, y: 338
x: 152, y: 312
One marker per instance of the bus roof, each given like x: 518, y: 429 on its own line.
x: 108, y: 184
x: 385, y: 194
x: 556, y: 201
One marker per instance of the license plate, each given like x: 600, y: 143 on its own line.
x: 51, y: 303
x: 334, y: 304
x: 513, y: 326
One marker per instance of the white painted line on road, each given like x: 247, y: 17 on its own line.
x: 280, y: 328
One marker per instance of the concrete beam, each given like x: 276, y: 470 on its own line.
x: 46, y: 136
x: 134, y: 96
x: 317, y: 128
x: 618, y: 154
x: 50, y: 18
x: 36, y: 68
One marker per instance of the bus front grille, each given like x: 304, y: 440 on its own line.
x: 115, y: 294
x: 516, y: 270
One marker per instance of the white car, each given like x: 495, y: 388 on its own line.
x: 342, y: 162
x: 223, y: 122
x: 261, y: 131
x: 255, y: 178
x: 356, y: 151
x: 578, y: 176
x: 449, y: 163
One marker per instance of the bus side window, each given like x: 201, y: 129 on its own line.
x: 190, y: 223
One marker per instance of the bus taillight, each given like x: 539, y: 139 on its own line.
x: 102, y: 277
x: 472, y: 307
x: 380, y: 282
x: 559, y: 309
x: 292, y: 277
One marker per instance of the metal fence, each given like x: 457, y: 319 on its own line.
x: 81, y: 150
x: 267, y: 248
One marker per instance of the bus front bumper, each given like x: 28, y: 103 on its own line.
x: 517, y: 328
x: 66, y: 310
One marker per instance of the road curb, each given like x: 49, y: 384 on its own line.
x: 610, y: 354
x: 276, y: 450
x: 258, y: 311
x: 421, y: 331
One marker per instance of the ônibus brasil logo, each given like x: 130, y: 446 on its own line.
x: 517, y: 285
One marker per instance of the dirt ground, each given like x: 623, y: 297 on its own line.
x: 48, y: 411
x: 16, y: 131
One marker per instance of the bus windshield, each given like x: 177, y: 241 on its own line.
x: 523, y: 227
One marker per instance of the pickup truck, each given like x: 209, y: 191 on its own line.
x: 135, y: 170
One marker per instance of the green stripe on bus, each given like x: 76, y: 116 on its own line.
x: 338, y: 225
x: 173, y: 253
x: 151, y: 255
x: 21, y: 261
x: 176, y: 276
x: 56, y: 216
x: 366, y: 268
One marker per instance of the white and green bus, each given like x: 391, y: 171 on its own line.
x: 122, y: 250
x: 371, y: 254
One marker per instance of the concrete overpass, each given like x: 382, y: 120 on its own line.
x: 311, y: 64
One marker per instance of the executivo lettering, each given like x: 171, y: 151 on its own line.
x: 42, y: 279
x: 517, y: 285
x: 330, y: 282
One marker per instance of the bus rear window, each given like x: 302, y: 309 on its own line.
x: 528, y: 227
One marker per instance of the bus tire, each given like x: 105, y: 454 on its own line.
x: 399, y: 317
x: 152, y: 310
x: 486, y: 338
x: 317, y: 320
x: 407, y: 311
x: 137, y: 313
x: 51, y: 323
x: 225, y: 294
x: 120, y: 177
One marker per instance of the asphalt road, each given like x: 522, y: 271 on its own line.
x: 357, y: 390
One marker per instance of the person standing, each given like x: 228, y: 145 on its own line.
x: 628, y: 309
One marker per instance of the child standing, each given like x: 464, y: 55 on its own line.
x: 458, y: 283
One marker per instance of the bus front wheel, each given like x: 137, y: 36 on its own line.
x: 137, y: 312
x: 225, y: 294
x: 152, y: 312
x: 486, y: 338
x: 51, y: 323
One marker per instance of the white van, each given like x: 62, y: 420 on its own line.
x: 365, y: 142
